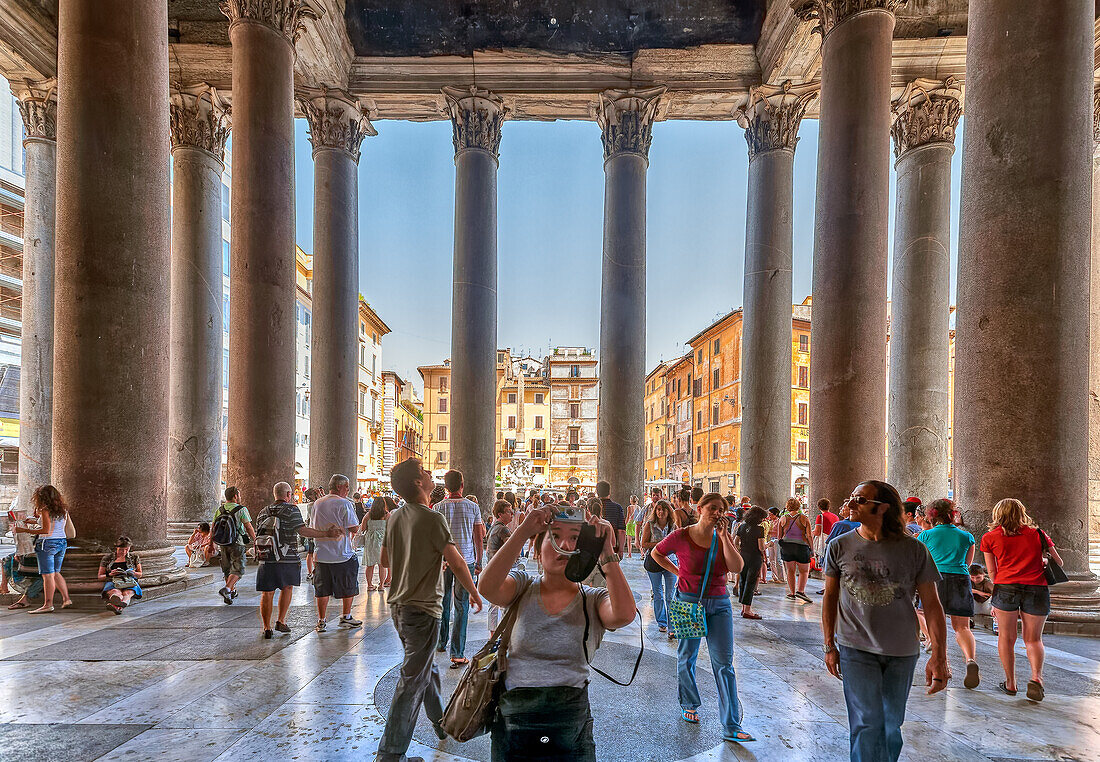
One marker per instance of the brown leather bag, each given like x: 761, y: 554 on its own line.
x: 473, y: 705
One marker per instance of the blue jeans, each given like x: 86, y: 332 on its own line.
x: 663, y: 584
x: 876, y: 688
x: 51, y: 553
x: 462, y: 612
x: 418, y: 683
x: 719, y: 614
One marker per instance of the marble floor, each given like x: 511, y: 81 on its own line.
x: 187, y: 678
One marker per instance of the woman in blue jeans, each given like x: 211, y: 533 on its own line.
x: 52, y: 517
x: 659, y: 526
x: 693, y: 547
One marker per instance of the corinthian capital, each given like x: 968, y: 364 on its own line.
x: 829, y: 13
x: 199, y: 118
x: 477, y: 117
x: 927, y: 111
x: 287, y: 17
x: 626, y: 118
x: 771, y: 116
x: 38, y: 107
x: 336, y: 120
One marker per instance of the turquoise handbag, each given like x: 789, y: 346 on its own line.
x: 687, y: 619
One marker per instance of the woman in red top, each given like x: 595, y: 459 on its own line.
x: 691, y: 546
x: 1014, y: 549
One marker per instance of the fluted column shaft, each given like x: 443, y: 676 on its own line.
x: 924, y: 134
x: 38, y: 107
x: 261, y: 269
x: 848, y: 333
x: 477, y: 117
x: 112, y: 281
x: 626, y: 119
x: 200, y: 127
x: 771, y: 120
x: 1021, y: 413
x: 1094, y: 332
x: 337, y: 128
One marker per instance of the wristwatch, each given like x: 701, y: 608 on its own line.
x: 609, y: 558
x: 829, y: 648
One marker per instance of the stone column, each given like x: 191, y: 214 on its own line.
x: 477, y: 117
x: 626, y: 119
x: 848, y: 334
x: 200, y: 126
x: 261, y: 268
x: 925, y: 117
x: 337, y: 126
x: 1021, y: 362
x: 770, y: 118
x: 1094, y: 332
x: 111, y: 338
x: 38, y: 107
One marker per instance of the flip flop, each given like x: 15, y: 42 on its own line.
x: 462, y: 661
x: 739, y: 737
x: 972, y: 679
x: 18, y: 605
x: 1003, y: 688
x: 1035, y: 691
x: 690, y: 715
x: 67, y: 605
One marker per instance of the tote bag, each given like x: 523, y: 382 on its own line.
x: 687, y: 619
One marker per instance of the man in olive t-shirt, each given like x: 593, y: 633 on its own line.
x: 417, y: 542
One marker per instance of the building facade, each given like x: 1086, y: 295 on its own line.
x: 303, y: 339
x: 800, y: 398
x: 656, y: 424
x: 410, y: 426
x: 369, y: 461
x: 681, y: 408
x: 523, y: 423
x: 574, y: 409
x: 715, y: 391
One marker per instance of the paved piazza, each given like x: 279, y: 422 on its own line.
x: 187, y: 678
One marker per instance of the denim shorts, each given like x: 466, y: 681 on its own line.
x: 955, y: 594
x: 51, y: 553
x: 1030, y: 599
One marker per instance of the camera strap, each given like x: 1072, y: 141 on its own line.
x: 584, y: 644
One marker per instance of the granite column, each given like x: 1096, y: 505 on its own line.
x: 261, y: 269
x: 200, y: 126
x: 925, y: 117
x: 770, y: 118
x: 38, y: 107
x: 1021, y: 362
x: 110, y: 454
x: 626, y: 119
x: 848, y: 335
x: 477, y: 117
x: 1094, y: 331
x: 337, y: 126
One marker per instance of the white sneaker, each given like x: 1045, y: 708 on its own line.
x: 349, y: 621
x: 322, y: 625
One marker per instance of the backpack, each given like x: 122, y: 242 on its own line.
x: 271, y: 546
x: 226, y: 529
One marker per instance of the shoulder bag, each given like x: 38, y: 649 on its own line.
x: 1054, y: 573
x: 70, y: 528
x: 687, y: 619
x: 473, y: 706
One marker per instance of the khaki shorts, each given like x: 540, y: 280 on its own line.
x: 232, y: 560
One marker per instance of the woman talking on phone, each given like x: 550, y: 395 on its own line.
x: 709, y: 539
x: 544, y: 711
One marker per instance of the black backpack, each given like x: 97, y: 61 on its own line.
x: 226, y: 529
x: 271, y: 546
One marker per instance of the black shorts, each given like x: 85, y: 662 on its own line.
x: 955, y: 594
x: 1030, y: 599
x: 276, y: 576
x: 336, y: 580
x: 794, y: 552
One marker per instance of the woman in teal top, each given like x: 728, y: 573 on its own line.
x: 952, y: 549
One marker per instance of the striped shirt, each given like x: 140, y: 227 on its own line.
x: 462, y: 515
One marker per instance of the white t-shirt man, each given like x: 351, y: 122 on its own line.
x: 328, y: 510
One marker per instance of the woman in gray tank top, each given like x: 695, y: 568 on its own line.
x: 662, y: 581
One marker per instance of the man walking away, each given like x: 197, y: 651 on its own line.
x: 336, y: 573
x: 277, y: 549
x: 613, y: 514
x: 231, y: 522
x: 417, y: 542
x: 468, y: 534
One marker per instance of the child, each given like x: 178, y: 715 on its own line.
x: 200, y: 548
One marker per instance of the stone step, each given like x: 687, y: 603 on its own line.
x: 94, y: 601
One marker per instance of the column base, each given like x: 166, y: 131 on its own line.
x: 180, y: 531
x: 1076, y: 601
x: 158, y: 567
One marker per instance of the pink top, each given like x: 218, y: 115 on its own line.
x: 691, y: 559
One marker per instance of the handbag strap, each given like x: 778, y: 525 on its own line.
x: 584, y: 644
x: 710, y: 560
x: 503, y: 633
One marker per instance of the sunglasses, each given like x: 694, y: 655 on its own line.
x: 861, y: 500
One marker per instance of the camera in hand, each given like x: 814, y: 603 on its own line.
x: 583, y: 561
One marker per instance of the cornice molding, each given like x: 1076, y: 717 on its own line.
x: 38, y: 108
x: 199, y: 118
x: 829, y: 13
x: 336, y: 120
x: 927, y: 111
x: 477, y: 117
x: 287, y: 17
x: 626, y: 120
x: 771, y: 116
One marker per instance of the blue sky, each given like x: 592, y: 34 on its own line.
x: 550, y: 215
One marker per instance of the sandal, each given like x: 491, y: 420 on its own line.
x: 753, y: 615
x: 739, y: 737
x: 972, y: 678
x: 18, y: 605
x: 1003, y: 688
x: 690, y: 715
x: 67, y: 604
x: 461, y: 661
x: 1035, y: 691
